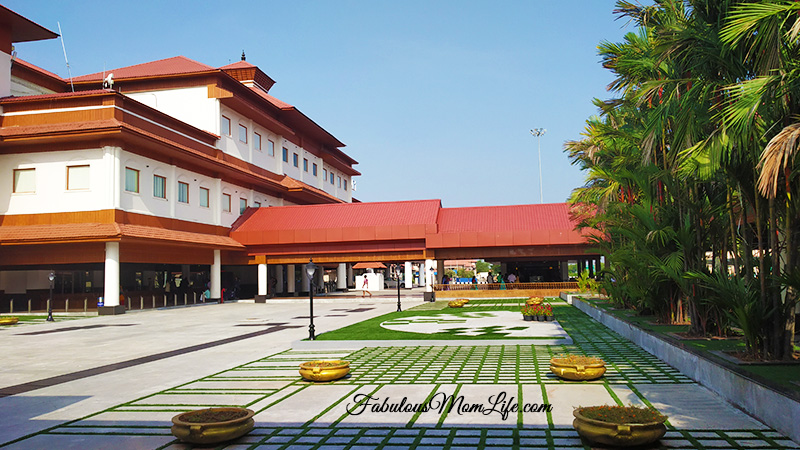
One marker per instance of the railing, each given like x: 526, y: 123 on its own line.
x: 84, y: 302
x: 566, y: 285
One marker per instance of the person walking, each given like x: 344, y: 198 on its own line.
x: 365, y: 287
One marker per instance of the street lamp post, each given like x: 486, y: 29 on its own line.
x: 397, y: 275
x: 51, y: 277
x: 538, y: 132
x: 311, y: 269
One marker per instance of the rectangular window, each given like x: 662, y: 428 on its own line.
x: 183, y: 192
x: 305, y: 165
x: 295, y: 160
x: 204, y: 194
x: 225, y: 126
x: 257, y: 141
x: 314, y: 169
x: 226, y: 202
x: 256, y: 204
x: 24, y: 180
x: 77, y: 177
x: 159, y: 186
x: 131, y: 180
x: 324, y: 175
x: 339, y: 181
x: 331, y: 177
x: 285, y: 154
x: 345, y: 184
x: 242, y: 205
x: 270, y: 148
x: 242, y: 133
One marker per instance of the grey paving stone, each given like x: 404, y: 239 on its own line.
x: 533, y: 441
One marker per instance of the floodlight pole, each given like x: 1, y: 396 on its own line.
x: 538, y: 132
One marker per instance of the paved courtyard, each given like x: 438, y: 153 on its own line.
x: 117, y: 384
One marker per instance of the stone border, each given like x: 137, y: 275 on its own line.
x: 356, y: 345
x: 774, y: 409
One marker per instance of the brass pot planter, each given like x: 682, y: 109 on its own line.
x: 324, y: 370
x: 8, y: 320
x: 534, y: 301
x: 459, y: 303
x: 577, y: 368
x: 618, y: 434
x: 212, y: 425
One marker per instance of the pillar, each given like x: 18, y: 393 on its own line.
x: 341, y: 277
x: 564, y: 270
x: 279, y: 278
x: 290, y: 278
x: 319, y: 279
x: 350, y: 280
x: 409, y: 275
x: 428, y: 275
x: 216, y: 276
x: 263, y: 282
x: 111, y: 282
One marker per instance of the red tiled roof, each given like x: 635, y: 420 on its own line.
x: 506, y: 218
x: 277, y: 103
x: 238, y: 65
x: 169, y: 66
x: 26, y: 98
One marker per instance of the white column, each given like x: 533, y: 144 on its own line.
x: 304, y: 281
x: 262, y: 279
x: 290, y: 278
x: 428, y: 275
x: 409, y: 275
x: 111, y: 284
x: 216, y: 276
x: 279, y: 278
x: 341, y: 276
x: 350, y: 280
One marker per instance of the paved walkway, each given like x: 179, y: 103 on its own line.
x: 115, y: 382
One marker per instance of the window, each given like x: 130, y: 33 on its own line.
x: 159, y: 186
x: 226, y: 202
x: 242, y: 205
x: 270, y: 148
x: 314, y: 169
x: 257, y: 141
x: 339, y: 181
x: 331, y: 177
x: 345, y: 184
x: 183, y: 192
x: 204, y: 194
x: 24, y: 180
x: 242, y: 133
x: 285, y: 154
x: 305, y: 165
x: 324, y: 175
x: 131, y: 180
x: 256, y: 204
x: 295, y: 160
x: 77, y: 177
x: 225, y: 127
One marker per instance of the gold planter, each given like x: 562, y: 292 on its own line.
x: 212, y: 432
x: 619, y: 435
x: 324, y: 370
x: 577, y: 372
x: 534, y: 301
x: 8, y: 320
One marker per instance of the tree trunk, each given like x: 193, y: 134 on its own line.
x: 778, y: 324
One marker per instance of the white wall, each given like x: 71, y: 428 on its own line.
x: 190, y: 105
x: 5, y: 74
x: 20, y: 87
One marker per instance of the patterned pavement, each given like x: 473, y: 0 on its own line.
x: 362, y: 412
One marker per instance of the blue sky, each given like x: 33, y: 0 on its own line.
x: 435, y: 98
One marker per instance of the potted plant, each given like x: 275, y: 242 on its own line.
x: 324, y: 370
x: 212, y: 425
x: 622, y: 426
x: 547, y: 312
x: 577, y: 367
x: 527, y: 313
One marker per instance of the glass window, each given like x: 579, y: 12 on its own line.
x: 24, y: 180
x: 339, y: 181
x: 295, y: 160
x: 226, y: 202
x: 242, y: 205
x: 331, y: 177
x: 183, y: 192
x: 159, y: 186
x: 270, y: 148
x: 324, y: 175
x: 225, y: 127
x: 204, y: 194
x: 314, y: 169
x: 305, y: 165
x: 345, y: 184
x: 256, y: 204
x: 131, y: 180
x: 285, y: 154
x: 242, y: 133
x: 257, y: 141
x: 77, y: 177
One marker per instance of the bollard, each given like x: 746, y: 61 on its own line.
x: 48, y: 304
x: 66, y: 305
x: 194, y: 297
x: 165, y: 300
x: 184, y: 299
x: 85, y: 304
x: 29, y: 306
x: 141, y: 302
x: 11, y: 306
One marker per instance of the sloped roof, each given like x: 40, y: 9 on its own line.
x: 170, y: 66
x: 506, y: 218
x: 23, y: 29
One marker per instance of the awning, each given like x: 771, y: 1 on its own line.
x: 369, y: 265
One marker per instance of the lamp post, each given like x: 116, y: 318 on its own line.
x: 538, y: 132
x: 50, y: 277
x: 311, y: 269
x: 397, y: 276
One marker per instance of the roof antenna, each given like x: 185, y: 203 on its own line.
x: 69, y: 71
